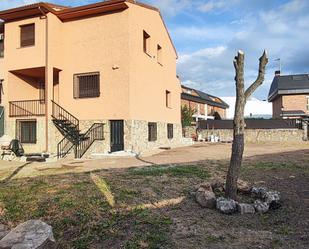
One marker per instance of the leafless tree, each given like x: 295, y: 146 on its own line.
x: 242, y: 96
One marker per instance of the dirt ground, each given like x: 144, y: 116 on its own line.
x: 189, y: 154
x: 147, y: 202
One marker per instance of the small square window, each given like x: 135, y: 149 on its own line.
x: 1, y: 45
x: 27, y: 35
x: 168, y: 99
x: 146, y: 43
x: 152, y: 132
x: 159, y: 54
x: 1, y: 90
x: 26, y: 131
x: 170, y: 131
x: 87, y: 85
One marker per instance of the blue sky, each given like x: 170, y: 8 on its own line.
x: 208, y: 33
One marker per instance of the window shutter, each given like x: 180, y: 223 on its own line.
x: 27, y: 131
x: 1, y: 90
x: 1, y: 48
x: 87, y: 85
x: 27, y: 35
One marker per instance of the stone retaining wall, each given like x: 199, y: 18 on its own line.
x: 135, y: 136
x: 252, y: 135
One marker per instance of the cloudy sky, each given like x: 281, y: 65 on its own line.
x: 208, y: 33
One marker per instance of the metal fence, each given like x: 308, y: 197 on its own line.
x: 252, y: 124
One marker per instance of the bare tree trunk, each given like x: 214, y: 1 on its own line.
x: 239, y: 120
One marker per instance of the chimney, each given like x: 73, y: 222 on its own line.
x: 277, y: 73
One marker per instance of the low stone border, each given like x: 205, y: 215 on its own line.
x: 264, y: 199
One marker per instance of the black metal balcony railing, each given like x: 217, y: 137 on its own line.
x: 27, y: 108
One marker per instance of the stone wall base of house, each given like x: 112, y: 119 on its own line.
x: 135, y: 136
x: 252, y: 135
x: 10, y: 129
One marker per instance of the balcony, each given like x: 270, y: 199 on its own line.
x: 27, y: 108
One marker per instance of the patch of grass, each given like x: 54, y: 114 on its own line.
x: 276, y: 243
x: 156, y: 234
x: 104, y: 188
x: 126, y: 194
x: 174, y: 171
x: 274, y: 165
x: 285, y: 230
x: 213, y: 239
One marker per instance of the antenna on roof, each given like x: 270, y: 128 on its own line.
x: 278, y: 72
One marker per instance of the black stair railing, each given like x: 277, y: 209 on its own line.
x: 64, y: 147
x: 61, y: 114
x: 68, y: 125
x: 94, y: 133
x: 27, y: 108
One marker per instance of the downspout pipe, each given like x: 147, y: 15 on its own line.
x: 44, y: 16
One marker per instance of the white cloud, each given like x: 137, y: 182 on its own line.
x: 281, y: 30
x: 214, y: 5
x: 172, y: 7
x: 7, y: 4
x: 193, y: 33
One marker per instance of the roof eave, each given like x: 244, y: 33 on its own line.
x: 198, y: 99
x: 90, y: 10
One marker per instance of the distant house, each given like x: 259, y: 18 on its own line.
x: 289, y: 95
x: 206, y: 106
x: 254, y: 108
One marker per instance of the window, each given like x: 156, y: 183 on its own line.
x: 27, y: 131
x: 307, y: 103
x: 159, y: 54
x: 27, y: 35
x: 87, y: 85
x: 146, y: 43
x: 152, y: 132
x: 1, y: 45
x: 170, y: 131
x: 168, y: 99
x: 1, y: 90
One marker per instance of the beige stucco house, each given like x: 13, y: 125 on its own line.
x: 95, y: 78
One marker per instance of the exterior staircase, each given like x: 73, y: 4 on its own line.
x: 73, y: 139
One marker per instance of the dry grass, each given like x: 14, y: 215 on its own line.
x: 151, y: 207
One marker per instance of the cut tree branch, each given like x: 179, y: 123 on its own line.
x: 239, y: 120
x: 260, y: 78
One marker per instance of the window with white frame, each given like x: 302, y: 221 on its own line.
x: 307, y: 103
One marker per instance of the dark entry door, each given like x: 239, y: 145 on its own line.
x: 117, y: 142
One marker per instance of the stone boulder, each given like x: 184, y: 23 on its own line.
x: 245, y: 208
x: 261, y: 207
x: 243, y: 186
x: 205, y: 196
x: 33, y: 234
x: 4, y: 230
x: 273, y: 199
x: 218, y: 184
x: 259, y: 192
x: 226, y: 206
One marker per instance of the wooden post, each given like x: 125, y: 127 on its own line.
x: 242, y: 96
